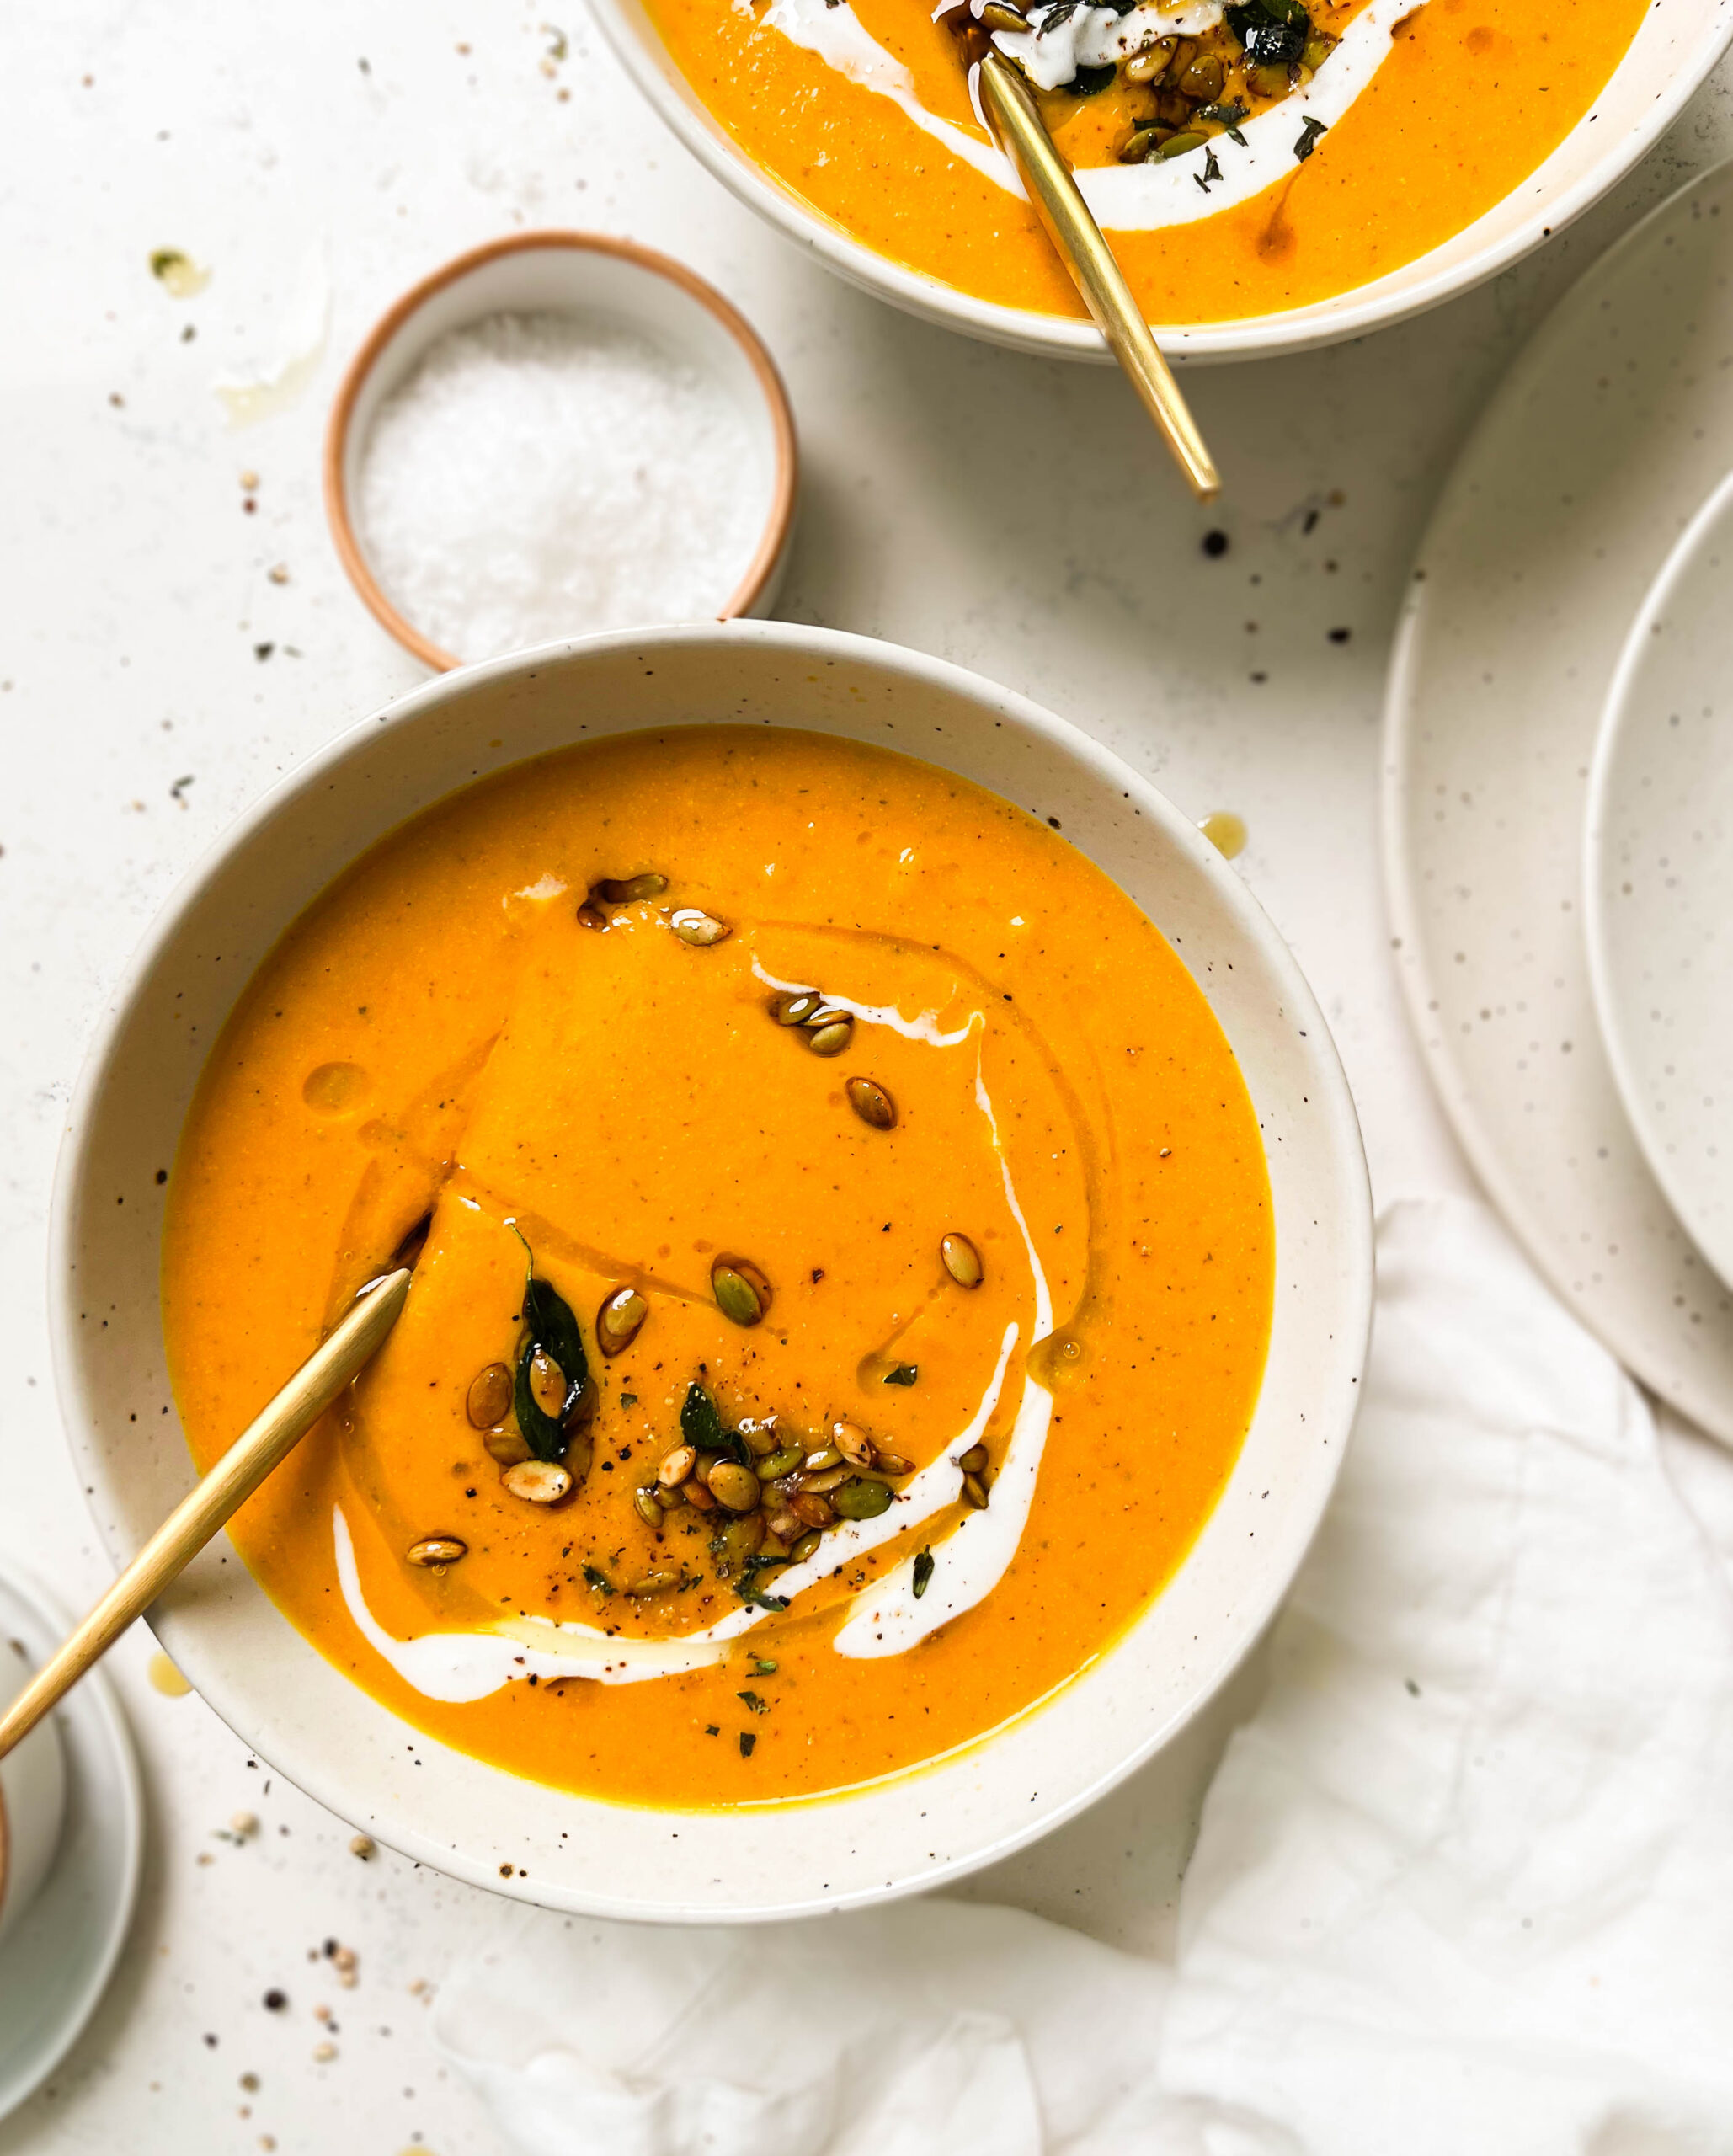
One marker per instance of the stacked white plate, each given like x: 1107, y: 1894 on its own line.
x: 1558, y: 792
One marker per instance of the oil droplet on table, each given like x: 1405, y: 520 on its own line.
x: 167, y: 1678
x: 1225, y: 832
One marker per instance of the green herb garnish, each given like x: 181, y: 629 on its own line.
x: 747, y: 1740
x: 598, y: 1579
x: 762, y: 1667
x: 749, y: 1590
x: 1090, y: 82
x: 905, y: 1373
x: 701, y: 1426
x: 923, y: 1573
x: 552, y: 1330
x: 1310, y: 130
x: 758, y: 1706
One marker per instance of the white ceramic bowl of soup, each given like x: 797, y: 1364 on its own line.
x: 478, y: 1821
x: 1677, y: 43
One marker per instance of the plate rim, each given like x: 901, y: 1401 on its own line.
x: 94, y: 1701
x: 1452, y: 1089
x: 1617, y: 722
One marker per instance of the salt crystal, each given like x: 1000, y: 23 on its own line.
x: 545, y: 475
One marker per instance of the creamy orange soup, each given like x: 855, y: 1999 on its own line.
x: 1244, y: 160
x: 844, y: 1274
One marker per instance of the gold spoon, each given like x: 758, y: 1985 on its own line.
x: 1078, y: 240
x: 266, y: 1442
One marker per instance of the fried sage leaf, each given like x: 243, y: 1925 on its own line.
x: 701, y: 1426
x: 551, y: 1330
x: 554, y: 1329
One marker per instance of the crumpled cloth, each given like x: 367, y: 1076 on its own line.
x: 1463, y: 1883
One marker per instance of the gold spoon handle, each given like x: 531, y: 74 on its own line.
x: 1077, y: 237
x: 266, y: 1441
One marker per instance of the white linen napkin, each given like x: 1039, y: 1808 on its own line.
x: 1464, y: 1882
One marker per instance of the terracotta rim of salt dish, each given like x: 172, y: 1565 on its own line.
x: 774, y: 539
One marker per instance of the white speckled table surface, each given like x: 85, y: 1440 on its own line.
x: 1013, y: 515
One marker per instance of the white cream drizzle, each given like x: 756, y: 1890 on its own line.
x: 890, y: 1617
x: 924, y: 1026
x: 1051, y: 52
x: 460, y: 1667
x: 1124, y: 198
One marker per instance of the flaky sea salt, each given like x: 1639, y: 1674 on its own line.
x: 542, y: 475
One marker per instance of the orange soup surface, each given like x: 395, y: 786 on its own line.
x: 843, y: 1276
x: 1251, y: 158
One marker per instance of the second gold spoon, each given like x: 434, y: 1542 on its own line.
x: 1078, y: 240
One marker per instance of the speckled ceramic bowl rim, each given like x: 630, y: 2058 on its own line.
x: 1248, y: 1557
x: 351, y: 552
x: 1253, y: 337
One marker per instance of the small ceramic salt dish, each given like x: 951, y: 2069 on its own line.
x: 72, y: 1844
x: 554, y: 435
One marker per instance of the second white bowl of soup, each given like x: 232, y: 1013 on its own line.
x: 1273, y: 176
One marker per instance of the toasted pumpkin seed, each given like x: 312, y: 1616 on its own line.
x: 782, y: 1523
x: 893, y: 1463
x: 699, y: 929
x: 676, y: 1466
x: 852, y: 1444
x: 648, y: 1511
x: 630, y: 890
x: 1180, y: 145
x: 871, y: 1103
x: 833, y: 1038
x: 437, y: 1551
x: 760, y: 1439
x: 974, y: 1460
x: 1203, y: 81
x: 815, y: 1463
x: 620, y: 1320
x: 653, y: 1583
x: 1139, y: 146
x: 537, y: 1481
x: 805, y: 1544
x: 975, y: 1491
x: 826, y: 1480
x: 696, y: 1493
x: 580, y: 1451
x: 961, y: 1259
x: 796, y: 1007
x: 488, y: 1400
x: 811, y: 1511
x: 829, y: 1014
x: 734, y: 1485
x: 547, y: 1384
x: 742, y: 1293
x: 861, y: 1499
x: 590, y: 915
x: 737, y: 1538
x: 1150, y: 66
x: 997, y: 17
x: 507, y: 1446
x: 775, y: 1463
x: 671, y: 1500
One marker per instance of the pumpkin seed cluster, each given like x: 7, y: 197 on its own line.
x: 773, y: 1494
x: 1183, y: 92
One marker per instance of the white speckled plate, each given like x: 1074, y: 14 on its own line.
x: 1658, y: 878
x: 56, y: 1960
x: 1572, y: 491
